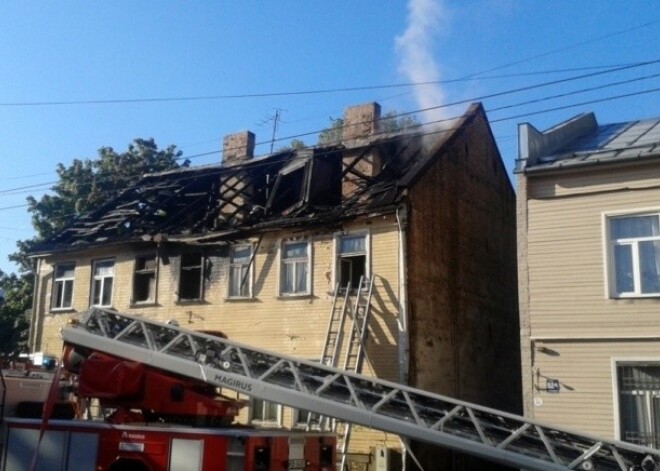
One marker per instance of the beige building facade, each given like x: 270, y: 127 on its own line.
x: 428, y: 217
x: 589, y: 276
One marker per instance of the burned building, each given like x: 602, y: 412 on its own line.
x: 413, y: 230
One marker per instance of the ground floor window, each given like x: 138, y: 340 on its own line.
x: 639, y: 403
x: 351, y: 264
x: 264, y: 411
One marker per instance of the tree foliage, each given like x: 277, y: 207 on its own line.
x: 81, y: 187
x: 15, y: 304
x: 86, y: 184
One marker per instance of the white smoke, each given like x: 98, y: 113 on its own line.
x: 416, y: 61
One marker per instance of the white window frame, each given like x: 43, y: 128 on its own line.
x: 103, y: 280
x: 294, y: 262
x: 145, y: 271
x: 616, y: 363
x: 232, y: 266
x: 276, y: 421
x: 64, y: 280
x: 609, y: 244
x: 336, y: 255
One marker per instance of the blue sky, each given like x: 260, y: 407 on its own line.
x: 78, y: 52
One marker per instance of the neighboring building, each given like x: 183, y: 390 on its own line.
x: 589, y: 276
x: 256, y: 247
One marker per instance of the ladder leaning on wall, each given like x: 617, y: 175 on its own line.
x: 355, y: 348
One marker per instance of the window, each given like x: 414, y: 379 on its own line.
x: 240, y: 283
x: 639, y: 404
x: 263, y: 411
x: 305, y: 418
x: 190, y: 277
x: 62, y: 297
x: 635, y: 255
x: 295, y: 274
x: 103, y: 273
x: 144, y: 279
x: 351, y: 259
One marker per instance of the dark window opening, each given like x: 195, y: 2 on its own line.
x: 190, y: 277
x: 144, y: 281
x: 351, y: 260
x: 351, y: 269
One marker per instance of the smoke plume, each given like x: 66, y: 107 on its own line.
x: 415, y: 57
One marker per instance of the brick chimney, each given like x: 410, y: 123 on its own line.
x: 237, y: 147
x: 235, y: 189
x: 361, y: 122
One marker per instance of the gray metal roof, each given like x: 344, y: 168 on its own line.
x: 617, y: 142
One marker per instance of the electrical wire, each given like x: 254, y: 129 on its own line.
x: 29, y: 188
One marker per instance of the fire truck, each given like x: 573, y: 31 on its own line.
x: 162, y: 385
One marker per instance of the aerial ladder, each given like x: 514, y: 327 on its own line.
x: 410, y: 413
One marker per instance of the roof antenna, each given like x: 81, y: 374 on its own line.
x: 275, y: 119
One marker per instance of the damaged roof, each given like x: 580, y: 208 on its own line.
x: 292, y: 188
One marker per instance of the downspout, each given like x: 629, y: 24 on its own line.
x: 402, y: 321
x: 33, y: 329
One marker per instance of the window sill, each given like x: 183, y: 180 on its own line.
x: 140, y: 304
x: 189, y: 302
x: 240, y: 300
x: 284, y: 297
x: 62, y: 310
x: 619, y: 297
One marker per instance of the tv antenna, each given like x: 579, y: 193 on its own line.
x: 275, y: 119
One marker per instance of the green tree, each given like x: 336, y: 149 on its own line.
x: 15, y: 302
x: 82, y: 186
x: 332, y: 134
x: 86, y: 184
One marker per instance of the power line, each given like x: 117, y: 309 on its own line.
x: 472, y: 77
x: 433, y: 132
x: 25, y: 189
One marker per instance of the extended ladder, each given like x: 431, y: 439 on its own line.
x: 355, y: 352
x: 487, y: 433
x: 333, y: 338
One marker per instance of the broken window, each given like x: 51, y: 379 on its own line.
x: 62, y: 297
x: 103, y: 275
x: 144, y: 279
x: 306, y: 179
x: 240, y: 282
x: 190, y: 277
x: 295, y: 271
x: 351, y: 260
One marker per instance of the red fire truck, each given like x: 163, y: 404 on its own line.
x: 156, y: 421
x: 161, y: 384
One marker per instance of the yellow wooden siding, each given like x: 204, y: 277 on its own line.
x: 595, y: 180
x: 586, y: 398
x: 566, y: 262
x: 290, y: 325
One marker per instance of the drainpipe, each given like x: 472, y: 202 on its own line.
x: 33, y: 329
x: 403, y: 350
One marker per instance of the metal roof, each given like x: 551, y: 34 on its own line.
x: 617, y: 142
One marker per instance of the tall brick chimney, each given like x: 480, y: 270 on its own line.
x: 361, y: 122
x: 234, y: 187
x: 237, y: 147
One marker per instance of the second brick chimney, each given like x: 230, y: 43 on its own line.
x: 238, y: 147
x: 361, y: 122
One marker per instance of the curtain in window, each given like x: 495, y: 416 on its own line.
x: 352, y: 244
x: 634, y: 227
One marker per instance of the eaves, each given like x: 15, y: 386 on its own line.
x: 568, y: 166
